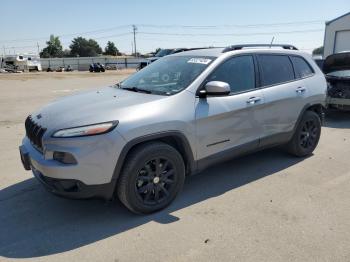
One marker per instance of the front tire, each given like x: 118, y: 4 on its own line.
x: 152, y: 176
x: 306, y: 136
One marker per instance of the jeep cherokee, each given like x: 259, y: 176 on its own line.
x: 139, y: 139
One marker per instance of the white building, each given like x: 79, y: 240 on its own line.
x: 337, y: 35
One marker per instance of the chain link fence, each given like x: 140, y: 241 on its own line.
x: 82, y: 63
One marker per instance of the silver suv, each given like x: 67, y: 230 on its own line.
x: 139, y: 139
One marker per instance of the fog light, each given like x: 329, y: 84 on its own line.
x: 64, y: 158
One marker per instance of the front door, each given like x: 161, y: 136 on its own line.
x: 232, y: 121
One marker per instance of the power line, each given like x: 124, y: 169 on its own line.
x: 66, y: 43
x: 116, y: 35
x: 203, y: 27
x: 184, y: 34
x: 67, y: 35
x: 231, y: 34
x: 297, y: 23
x: 190, y: 35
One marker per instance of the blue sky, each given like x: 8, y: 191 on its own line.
x: 181, y: 23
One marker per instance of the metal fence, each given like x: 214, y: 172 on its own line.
x: 82, y: 63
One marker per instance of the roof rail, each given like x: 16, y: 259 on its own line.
x: 239, y: 47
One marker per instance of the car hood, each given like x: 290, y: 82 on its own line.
x: 337, y: 62
x: 103, y: 105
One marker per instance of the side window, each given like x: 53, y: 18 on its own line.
x: 301, y: 67
x: 238, y: 72
x: 275, y: 69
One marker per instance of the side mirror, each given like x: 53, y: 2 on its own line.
x: 215, y: 88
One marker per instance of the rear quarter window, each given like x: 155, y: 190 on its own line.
x: 301, y: 67
x: 275, y: 69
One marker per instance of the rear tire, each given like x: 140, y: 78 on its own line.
x: 306, y: 136
x: 152, y: 176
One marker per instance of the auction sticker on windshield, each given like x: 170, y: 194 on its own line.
x: 204, y: 61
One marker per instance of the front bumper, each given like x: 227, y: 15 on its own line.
x: 69, y: 188
x: 92, y: 176
x: 338, y: 101
x: 74, y: 189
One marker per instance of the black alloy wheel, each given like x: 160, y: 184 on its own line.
x: 309, y: 134
x: 152, y: 176
x: 306, y: 135
x: 155, y: 181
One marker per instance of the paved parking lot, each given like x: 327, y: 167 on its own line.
x: 264, y: 207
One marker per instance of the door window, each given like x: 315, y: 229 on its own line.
x: 301, y: 67
x: 238, y: 72
x: 275, y: 69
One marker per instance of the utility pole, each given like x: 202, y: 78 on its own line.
x: 134, y: 28
x: 37, y: 44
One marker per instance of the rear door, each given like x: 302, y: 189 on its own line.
x: 231, y: 121
x: 303, y: 74
x: 283, y: 97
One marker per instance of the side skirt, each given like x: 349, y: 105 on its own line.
x: 241, y: 150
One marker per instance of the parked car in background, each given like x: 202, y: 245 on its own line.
x: 164, y: 52
x: 319, y: 61
x: 97, y: 67
x: 337, y: 70
x: 139, y: 139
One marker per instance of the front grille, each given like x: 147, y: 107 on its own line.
x: 35, y: 133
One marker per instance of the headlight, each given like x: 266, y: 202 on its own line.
x: 89, y: 130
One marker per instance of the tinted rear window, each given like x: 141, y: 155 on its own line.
x: 275, y: 69
x: 301, y: 67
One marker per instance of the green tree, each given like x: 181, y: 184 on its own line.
x: 83, y: 47
x: 53, y: 48
x: 318, y: 51
x: 66, y: 53
x: 157, y: 50
x: 111, y: 49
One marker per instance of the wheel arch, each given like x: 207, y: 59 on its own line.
x: 318, y: 108
x: 175, y: 139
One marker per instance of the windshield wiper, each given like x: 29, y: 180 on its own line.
x: 136, y: 89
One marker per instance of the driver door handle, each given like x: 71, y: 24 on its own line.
x: 253, y: 100
x: 300, y: 90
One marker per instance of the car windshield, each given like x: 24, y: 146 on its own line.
x: 168, y: 75
x: 342, y: 73
x: 163, y: 52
